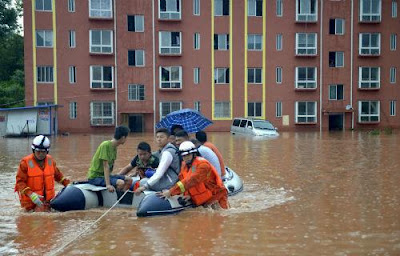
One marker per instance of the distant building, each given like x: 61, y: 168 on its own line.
x: 302, y: 64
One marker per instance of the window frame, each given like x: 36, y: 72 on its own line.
x: 335, y: 28
x: 197, y: 105
x: 279, y: 8
x: 394, y: 8
x: 393, y: 42
x: 336, y: 89
x: 225, y: 75
x: 221, y: 42
x: 43, y: 5
x: 369, y: 17
x: 256, y: 107
x: 368, y: 115
x: 171, y: 49
x: 136, y: 92
x: 196, y: 7
x: 101, y: 45
x: 46, y: 72
x: 172, y: 83
x: 307, y: 16
x: 72, y: 38
x: 307, y: 115
x: 257, y: 39
x: 196, y: 75
x: 308, y: 84
x: 136, y: 54
x: 73, y: 110
x: 370, y: 48
x: 102, y: 117
x: 196, y: 41
x: 279, y: 42
x: 72, y: 74
x: 278, y: 109
x: 47, y: 34
x: 392, y: 107
x: 253, y: 8
x: 257, y: 75
x: 222, y: 109
x: 309, y: 50
x: 338, y: 61
x: 171, y: 109
x: 369, y: 82
x: 393, y: 75
x: 133, y: 24
x: 170, y: 14
x: 278, y: 75
x: 224, y: 7
x: 93, y: 14
x: 102, y: 81
x: 71, y: 5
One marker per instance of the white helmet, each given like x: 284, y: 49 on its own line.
x: 41, y: 142
x: 187, y: 147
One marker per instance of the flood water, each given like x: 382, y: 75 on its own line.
x: 304, y: 194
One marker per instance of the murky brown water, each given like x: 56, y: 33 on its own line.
x: 305, y: 194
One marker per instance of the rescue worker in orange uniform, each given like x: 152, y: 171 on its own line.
x: 198, y: 179
x: 36, y: 175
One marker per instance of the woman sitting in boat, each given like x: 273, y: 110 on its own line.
x: 198, y: 179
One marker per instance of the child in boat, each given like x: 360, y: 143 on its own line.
x: 102, y: 163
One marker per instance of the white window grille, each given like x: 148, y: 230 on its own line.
x: 45, y: 74
x: 168, y: 107
x: 135, y: 92
x: 101, y: 41
x: 101, y: 77
x: 136, y: 23
x: 306, y: 43
x: 44, y: 38
x: 222, y: 109
x: 102, y: 113
x: 369, y: 43
x: 368, y: 111
x: 170, y: 42
x: 370, y: 10
x: 306, y: 10
x: 306, y: 112
x: 369, y: 77
x: 221, y: 75
x: 169, y: 9
x: 100, y: 9
x: 73, y: 107
x: 171, y: 77
x: 306, y: 77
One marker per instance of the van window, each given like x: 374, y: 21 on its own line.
x: 263, y: 125
x: 243, y: 123
x: 250, y: 123
x: 236, y: 122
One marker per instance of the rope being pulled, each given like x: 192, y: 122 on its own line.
x: 86, y: 229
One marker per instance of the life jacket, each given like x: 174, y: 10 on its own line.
x: 39, y: 181
x: 200, y: 194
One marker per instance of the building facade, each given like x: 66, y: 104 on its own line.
x: 302, y: 64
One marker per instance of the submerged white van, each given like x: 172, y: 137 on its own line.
x: 252, y: 126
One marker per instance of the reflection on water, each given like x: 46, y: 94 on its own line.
x: 304, y: 194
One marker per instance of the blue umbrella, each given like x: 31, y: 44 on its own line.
x: 190, y: 119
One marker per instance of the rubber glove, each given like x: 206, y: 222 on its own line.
x: 36, y: 199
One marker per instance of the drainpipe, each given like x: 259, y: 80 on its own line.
x: 320, y: 65
x: 115, y: 64
x: 154, y: 69
x: 351, y: 63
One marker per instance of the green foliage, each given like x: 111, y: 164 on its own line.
x: 12, y: 94
x: 8, y: 17
x: 11, y: 55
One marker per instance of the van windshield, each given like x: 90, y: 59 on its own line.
x: 263, y: 125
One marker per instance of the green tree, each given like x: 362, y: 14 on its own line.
x: 8, y: 17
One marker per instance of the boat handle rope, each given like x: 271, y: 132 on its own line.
x: 87, y: 228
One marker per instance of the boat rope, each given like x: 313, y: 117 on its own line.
x: 87, y: 228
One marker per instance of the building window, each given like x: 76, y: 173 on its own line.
x: 306, y: 10
x: 336, y: 26
x: 254, y: 109
x: 278, y: 109
x: 168, y: 107
x: 221, y: 75
x: 136, y: 58
x: 254, y: 42
x: 45, y: 103
x: 135, y: 92
x: 72, y: 74
x: 197, y: 106
x: 43, y: 5
x: 254, y: 75
x: 336, y: 92
x: 394, y: 8
x: 278, y: 75
x: 44, y: 38
x: 170, y: 42
x: 369, y: 77
x: 45, y: 74
x: 136, y: 23
x: 393, y: 72
x: 370, y: 44
x: 101, y: 77
x: 171, y: 77
x: 196, y: 75
x: 221, y: 7
x: 72, y: 39
x: 222, y: 109
x: 279, y: 42
x: 279, y: 8
x: 73, y: 107
x: 196, y: 41
x: 221, y: 41
x: 306, y: 77
x: 393, y: 108
x: 368, y: 111
x: 393, y: 42
x: 336, y: 59
x: 370, y: 10
x: 71, y: 5
x: 100, y: 8
x: 101, y: 41
x: 306, y: 43
x: 196, y: 7
x: 169, y: 10
x: 254, y: 8
x: 101, y: 113
x: 306, y: 112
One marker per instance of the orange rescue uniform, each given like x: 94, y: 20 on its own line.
x: 31, y: 177
x: 202, y: 182
x: 219, y: 155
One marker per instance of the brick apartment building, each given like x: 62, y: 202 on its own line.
x: 302, y: 64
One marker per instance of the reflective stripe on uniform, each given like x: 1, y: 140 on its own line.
x: 181, y: 186
x: 23, y: 191
x: 49, y: 161
x: 30, y: 163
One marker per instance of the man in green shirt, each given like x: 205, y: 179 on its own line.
x: 102, y: 163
